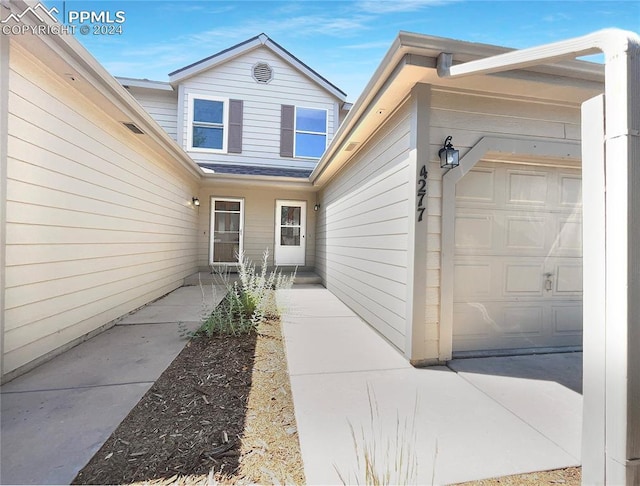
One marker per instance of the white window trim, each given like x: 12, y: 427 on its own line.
x: 225, y: 118
x: 295, y: 131
x: 212, y: 203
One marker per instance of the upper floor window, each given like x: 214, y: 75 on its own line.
x: 303, y: 132
x: 310, y: 132
x: 208, y: 120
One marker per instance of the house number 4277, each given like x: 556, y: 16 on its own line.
x: 422, y: 191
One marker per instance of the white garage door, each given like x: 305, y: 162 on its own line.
x: 518, y: 258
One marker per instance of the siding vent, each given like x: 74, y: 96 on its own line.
x: 351, y: 146
x: 133, y: 127
x: 262, y: 73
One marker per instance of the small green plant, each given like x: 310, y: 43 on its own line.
x: 249, y: 300
x: 381, y: 458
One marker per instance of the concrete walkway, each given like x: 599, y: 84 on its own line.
x: 475, y: 419
x: 494, y: 416
x: 56, y: 417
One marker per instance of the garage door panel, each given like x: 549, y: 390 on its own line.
x: 518, y: 258
x: 527, y: 187
x: 471, y: 280
x: 569, y: 278
x: 567, y: 319
x: 477, y: 186
x: 523, y: 279
x: 523, y: 319
x: 475, y: 320
x: 475, y: 230
x: 569, y: 236
x: 570, y: 191
x: 525, y: 233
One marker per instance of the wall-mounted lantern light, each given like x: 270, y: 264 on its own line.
x: 449, y: 156
x: 316, y: 207
x: 196, y: 201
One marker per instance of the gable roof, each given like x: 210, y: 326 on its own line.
x: 246, y: 46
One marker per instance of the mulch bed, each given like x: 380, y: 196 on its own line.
x: 222, y: 410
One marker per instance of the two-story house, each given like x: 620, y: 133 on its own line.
x: 252, y: 113
x: 111, y: 197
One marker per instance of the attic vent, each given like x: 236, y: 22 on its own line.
x: 133, y: 127
x: 262, y: 72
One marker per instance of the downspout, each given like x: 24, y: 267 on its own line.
x: 617, y: 459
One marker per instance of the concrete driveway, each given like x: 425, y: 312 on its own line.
x: 476, y: 418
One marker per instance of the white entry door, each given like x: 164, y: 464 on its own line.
x: 291, y: 220
x: 518, y: 258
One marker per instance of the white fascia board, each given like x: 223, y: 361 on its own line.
x: 199, y: 67
x: 358, y: 109
x: 69, y: 49
x: 145, y: 84
x: 293, y: 183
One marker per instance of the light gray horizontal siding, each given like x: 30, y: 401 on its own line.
x: 162, y: 106
x: 96, y: 223
x: 261, y: 121
x: 362, y: 230
x: 259, y: 220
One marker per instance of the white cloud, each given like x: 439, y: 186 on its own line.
x: 395, y: 6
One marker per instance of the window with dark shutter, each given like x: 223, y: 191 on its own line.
x: 235, y: 127
x: 287, y: 119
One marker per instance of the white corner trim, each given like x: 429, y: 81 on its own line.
x: 4, y: 136
x: 522, y: 146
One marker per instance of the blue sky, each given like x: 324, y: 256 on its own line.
x: 342, y: 40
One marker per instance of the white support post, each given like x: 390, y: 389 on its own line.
x: 593, y: 249
x: 622, y: 297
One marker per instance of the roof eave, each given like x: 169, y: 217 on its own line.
x: 430, y: 47
x: 144, y: 84
x: 299, y: 183
x: 104, y: 83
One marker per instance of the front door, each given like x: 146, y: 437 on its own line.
x: 226, y: 230
x: 291, y: 218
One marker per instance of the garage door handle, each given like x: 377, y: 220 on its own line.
x: 548, y: 283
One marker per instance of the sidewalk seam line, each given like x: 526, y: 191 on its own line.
x: 82, y: 387
x: 514, y: 414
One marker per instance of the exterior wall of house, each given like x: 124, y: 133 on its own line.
x: 97, y: 222
x: 467, y: 118
x: 363, y: 229
x: 259, y: 220
x: 261, y: 114
x: 161, y: 105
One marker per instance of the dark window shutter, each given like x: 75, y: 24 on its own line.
x: 234, y: 145
x: 287, y: 115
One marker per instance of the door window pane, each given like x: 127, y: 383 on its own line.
x: 290, y: 236
x: 290, y: 215
x: 227, y: 205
